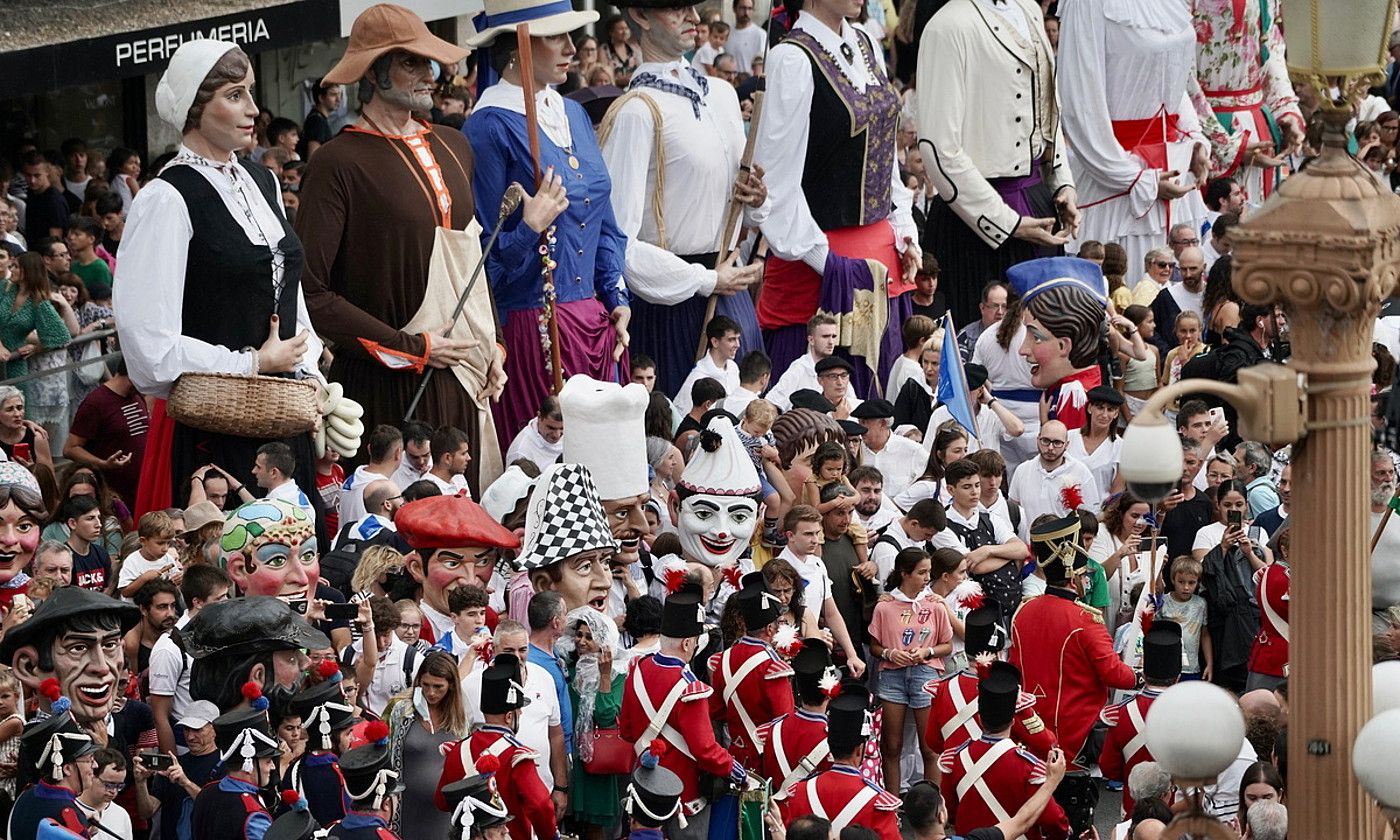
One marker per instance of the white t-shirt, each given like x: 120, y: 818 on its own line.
x: 389, y: 678
x: 135, y: 564
x: 114, y: 819
x: 453, y: 487
x: 1038, y: 491
x: 746, y: 44
x: 1002, y: 532
x: 816, y: 583
x: 704, y: 57
x: 903, y: 370
x: 1209, y: 536
x: 169, y: 671
x: 535, y: 718
x: 1103, y: 463
x: 352, y: 493
x: 532, y: 446
x: 901, y: 461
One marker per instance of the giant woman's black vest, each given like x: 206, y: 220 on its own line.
x: 850, y: 145
x: 228, y: 279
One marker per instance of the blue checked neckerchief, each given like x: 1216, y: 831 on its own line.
x: 652, y: 80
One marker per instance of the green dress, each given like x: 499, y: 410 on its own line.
x: 596, y: 800
x: 17, y: 324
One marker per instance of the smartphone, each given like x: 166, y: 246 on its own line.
x: 156, y: 761
x: 22, y: 453
x: 342, y: 612
x: 1234, y: 518
x: 1217, y: 414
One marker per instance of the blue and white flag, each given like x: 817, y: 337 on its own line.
x: 952, y: 380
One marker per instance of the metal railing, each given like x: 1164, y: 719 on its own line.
x: 70, y: 367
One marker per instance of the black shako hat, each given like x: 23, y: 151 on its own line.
x: 368, y: 774
x: 53, y: 742
x: 983, y: 632
x: 653, y: 794
x: 502, y: 686
x: 63, y: 604
x: 997, y: 693
x: 323, y: 710
x: 848, y: 719
x: 811, y: 666
x: 682, y: 614
x: 757, y: 603
x: 1161, y: 652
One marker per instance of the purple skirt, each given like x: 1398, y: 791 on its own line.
x: 586, y: 342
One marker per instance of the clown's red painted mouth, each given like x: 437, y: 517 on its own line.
x: 717, y: 546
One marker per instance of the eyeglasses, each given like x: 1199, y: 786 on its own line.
x: 1161, y: 264
x: 114, y: 787
x: 1192, y: 241
x: 408, y: 627
x: 1052, y: 442
x: 835, y: 374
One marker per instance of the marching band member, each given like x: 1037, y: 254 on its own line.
x: 794, y: 745
x: 1126, y: 744
x: 745, y: 694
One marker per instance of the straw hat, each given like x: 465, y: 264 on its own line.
x: 546, y: 17
x: 381, y: 29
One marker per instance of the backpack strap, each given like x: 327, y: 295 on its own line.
x: 410, y: 660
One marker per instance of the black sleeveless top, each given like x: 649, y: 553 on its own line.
x: 229, y: 293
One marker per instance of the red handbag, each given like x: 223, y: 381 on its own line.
x: 612, y: 756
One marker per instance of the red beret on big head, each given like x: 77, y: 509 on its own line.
x: 450, y: 521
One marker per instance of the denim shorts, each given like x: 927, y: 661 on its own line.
x: 905, y: 686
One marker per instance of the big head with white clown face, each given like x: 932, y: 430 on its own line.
x: 269, y: 548
x: 716, y: 501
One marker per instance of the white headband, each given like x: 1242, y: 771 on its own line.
x: 180, y: 83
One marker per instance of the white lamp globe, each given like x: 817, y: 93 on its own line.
x: 1195, y: 730
x: 1373, y: 758
x: 1385, y: 686
x: 1151, y: 460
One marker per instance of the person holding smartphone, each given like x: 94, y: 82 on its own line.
x: 1231, y: 550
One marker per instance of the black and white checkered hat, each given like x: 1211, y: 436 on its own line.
x: 565, y: 518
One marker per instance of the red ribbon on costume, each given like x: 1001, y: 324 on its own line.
x: 1148, y: 138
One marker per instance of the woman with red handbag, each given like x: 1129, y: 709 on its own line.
x: 595, y: 688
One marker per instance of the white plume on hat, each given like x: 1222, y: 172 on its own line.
x: 605, y: 430
x: 180, y: 83
x: 720, y: 466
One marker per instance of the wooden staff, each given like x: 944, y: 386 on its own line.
x: 532, y: 131
x: 731, y: 220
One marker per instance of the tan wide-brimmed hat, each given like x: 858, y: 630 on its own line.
x: 200, y: 514
x: 381, y: 29
x: 546, y: 17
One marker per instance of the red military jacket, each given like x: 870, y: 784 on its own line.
x: 987, y: 781
x: 752, y: 686
x: 953, y: 717
x: 1125, y: 746
x: 1270, y: 652
x: 844, y: 797
x: 518, y: 779
x: 794, y: 747
x: 686, y: 727
x: 1067, y: 662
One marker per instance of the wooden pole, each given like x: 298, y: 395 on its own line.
x: 525, y: 59
x: 731, y: 219
x: 1385, y: 518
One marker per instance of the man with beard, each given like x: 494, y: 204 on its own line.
x: 454, y: 542
x: 568, y: 546
x: 873, y: 510
x: 673, y: 146
x: 157, y: 602
x: 236, y: 806
x: 384, y: 219
x: 493, y: 747
x: 248, y: 640
x: 607, y: 434
x: 1385, y: 559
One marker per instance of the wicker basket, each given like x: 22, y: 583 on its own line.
x: 245, y: 406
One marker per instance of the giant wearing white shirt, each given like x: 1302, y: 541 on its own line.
x: 673, y: 146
